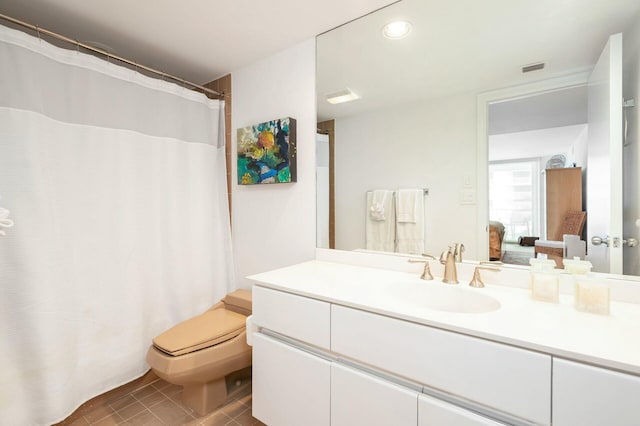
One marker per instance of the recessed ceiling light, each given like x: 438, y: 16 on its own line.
x: 341, y: 96
x: 396, y: 30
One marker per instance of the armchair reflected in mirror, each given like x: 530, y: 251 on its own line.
x: 568, y: 242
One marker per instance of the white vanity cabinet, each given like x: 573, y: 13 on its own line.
x: 317, y: 362
x: 510, y: 380
x: 290, y: 387
x: 591, y: 396
x: 300, y: 318
x: 358, y: 398
x: 435, y: 412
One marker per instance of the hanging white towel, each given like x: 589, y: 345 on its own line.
x: 410, y: 233
x: 377, y: 204
x: 5, y: 222
x: 380, y: 234
x: 407, y: 204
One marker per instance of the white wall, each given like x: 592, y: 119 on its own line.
x: 631, y: 90
x: 540, y: 143
x: 578, y: 152
x: 418, y: 145
x: 275, y: 225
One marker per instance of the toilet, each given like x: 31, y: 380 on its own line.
x: 198, y: 353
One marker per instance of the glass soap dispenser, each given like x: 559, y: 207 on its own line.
x: 544, y: 279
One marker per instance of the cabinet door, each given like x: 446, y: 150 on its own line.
x: 298, y: 317
x: 361, y: 399
x: 513, y: 381
x: 434, y: 412
x: 585, y: 395
x: 290, y: 386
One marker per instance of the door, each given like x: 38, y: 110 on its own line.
x: 604, y: 160
x: 290, y: 387
x: 322, y: 190
x: 358, y: 398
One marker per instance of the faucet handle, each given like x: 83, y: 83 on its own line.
x: 445, y: 254
x: 476, y: 281
x: 457, y: 252
x: 426, y: 273
x: 428, y: 256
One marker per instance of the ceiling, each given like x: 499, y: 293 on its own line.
x: 199, y: 40
x: 535, y: 143
x: 462, y: 46
x: 553, y: 109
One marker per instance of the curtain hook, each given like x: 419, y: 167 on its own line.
x: 77, y: 46
x: 38, y: 31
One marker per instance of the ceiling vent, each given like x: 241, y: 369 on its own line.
x: 533, y: 67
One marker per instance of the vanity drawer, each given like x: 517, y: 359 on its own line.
x: 432, y: 411
x: 301, y: 318
x: 500, y: 377
x: 358, y: 398
x: 591, y: 396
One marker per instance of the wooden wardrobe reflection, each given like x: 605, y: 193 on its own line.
x: 563, y: 193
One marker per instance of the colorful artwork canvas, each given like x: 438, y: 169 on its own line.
x: 267, y: 152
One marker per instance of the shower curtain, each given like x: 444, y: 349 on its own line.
x: 116, y: 187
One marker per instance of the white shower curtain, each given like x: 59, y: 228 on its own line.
x: 116, y: 187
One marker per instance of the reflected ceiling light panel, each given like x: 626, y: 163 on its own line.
x: 396, y: 30
x: 342, y: 96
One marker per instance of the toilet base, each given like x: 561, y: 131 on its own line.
x: 205, y: 397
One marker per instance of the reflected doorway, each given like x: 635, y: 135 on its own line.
x: 526, y: 136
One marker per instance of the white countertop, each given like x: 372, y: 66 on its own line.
x: 611, y: 341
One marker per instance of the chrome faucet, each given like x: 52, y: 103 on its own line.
x: 447, y: 258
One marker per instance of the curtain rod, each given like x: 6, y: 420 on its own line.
x: 107, y: 54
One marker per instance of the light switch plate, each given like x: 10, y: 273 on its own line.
x: 468, y: 196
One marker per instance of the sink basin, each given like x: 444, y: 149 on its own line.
x: 445, y: 297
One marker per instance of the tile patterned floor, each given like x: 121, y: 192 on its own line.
x: 160, y: 403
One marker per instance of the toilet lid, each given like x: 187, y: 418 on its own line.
x: 208, y: 329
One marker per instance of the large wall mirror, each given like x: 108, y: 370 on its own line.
x: 478, y: 125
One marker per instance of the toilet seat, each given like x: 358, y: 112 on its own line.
x: 200, y: 332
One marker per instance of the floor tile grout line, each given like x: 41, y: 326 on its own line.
x: 154, y: 415
x: 179, y: 405
x: 149, y: 407
x: 167, y: 397
x: 144, y: 408
x: 135, y: 400
x: 101, y: 418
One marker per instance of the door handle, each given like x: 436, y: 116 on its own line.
x: 630, y: 242
x: 596, y: 241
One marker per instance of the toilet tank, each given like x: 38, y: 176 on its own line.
x: 238, y: 301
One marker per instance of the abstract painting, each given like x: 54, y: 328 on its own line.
x: 267, y: 152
